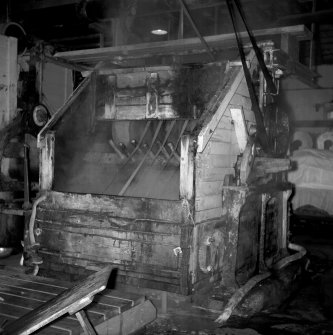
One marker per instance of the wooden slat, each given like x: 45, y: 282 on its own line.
x: 208, y: 130
x: 70, y: 326
x: 21, y: 293
x: 132, y: 208
x: 60, y: 112
x: 138, y: 274
x: 29, y: 297
x: 65, y: 302
x: 208, y: 214
x: 104, y: 221
x: 52, y: 330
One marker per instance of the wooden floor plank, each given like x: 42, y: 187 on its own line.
x: 20, y: 294
x: 71, y: 300
x: 36, y: 279
x: 69, y: 326
x: 48, y: 331
x: 107, y: 308
x: 27, y: 297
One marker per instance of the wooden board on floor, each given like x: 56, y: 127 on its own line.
x: 20, y: 294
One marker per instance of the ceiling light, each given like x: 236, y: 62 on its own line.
x: 159, y: 31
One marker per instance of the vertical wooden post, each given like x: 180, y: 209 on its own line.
x: 233, y: 198
x: 93, y: 103
x: 186, y: 168
x: 8, y: 79
x: 46, y: 162
x: 285, y: 220
x: 188, y: 260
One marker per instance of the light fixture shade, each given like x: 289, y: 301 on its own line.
x: 159, y: 31
x: 159, y: 25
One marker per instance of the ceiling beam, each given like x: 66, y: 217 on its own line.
x: 34, y: 4
x: 176, y: 47
x: 315, y: 17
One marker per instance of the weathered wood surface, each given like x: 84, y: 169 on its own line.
x: 217, y: 155
x: 62, y: 110
x: 187, y: 168
x: 8, y: 79
x: 23, y: 293
x: 118, y: 207
x: 136, y: 235
x: 46, y: 161
x: 70, y: 301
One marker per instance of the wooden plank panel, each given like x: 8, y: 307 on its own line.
x: 219, y: 148
x: 208, y: 187
x: 207, y: 131
x: 107, y: 249
x: 208, y: 214
x: 106, y: 221
x: 129, y: 268
x: 225, y: 123
x: 129, y: 271
x: 208, y: 202
x: 222, y: 135
x: 241, y: 100
x: 214, y: 174
x: 215, y: 161
x: 112, y: 236
x: 124, y: 207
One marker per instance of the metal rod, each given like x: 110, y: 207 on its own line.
x: 173, y: 151
x: 135, y: 144
x: 135, y: 172
x: 179, y: 138
x: 164, y: 151
x: 261, y: 133
x: 189, y: 16
x: 116, y: 150
x: 173, y: 122
x: 132, y: 153
x: 140, y: 142
x: 146, y: 148
x: 268, y: 77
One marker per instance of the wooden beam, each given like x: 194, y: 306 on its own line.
x: 33, y: 4
x: 313, y: 123
x: 46, y: 162
x: 8, y: 79
x: 60, y: 112
x: 323, y: 16
x: 186, y: 168
x: 66, y: 63
x: 176, y: 47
